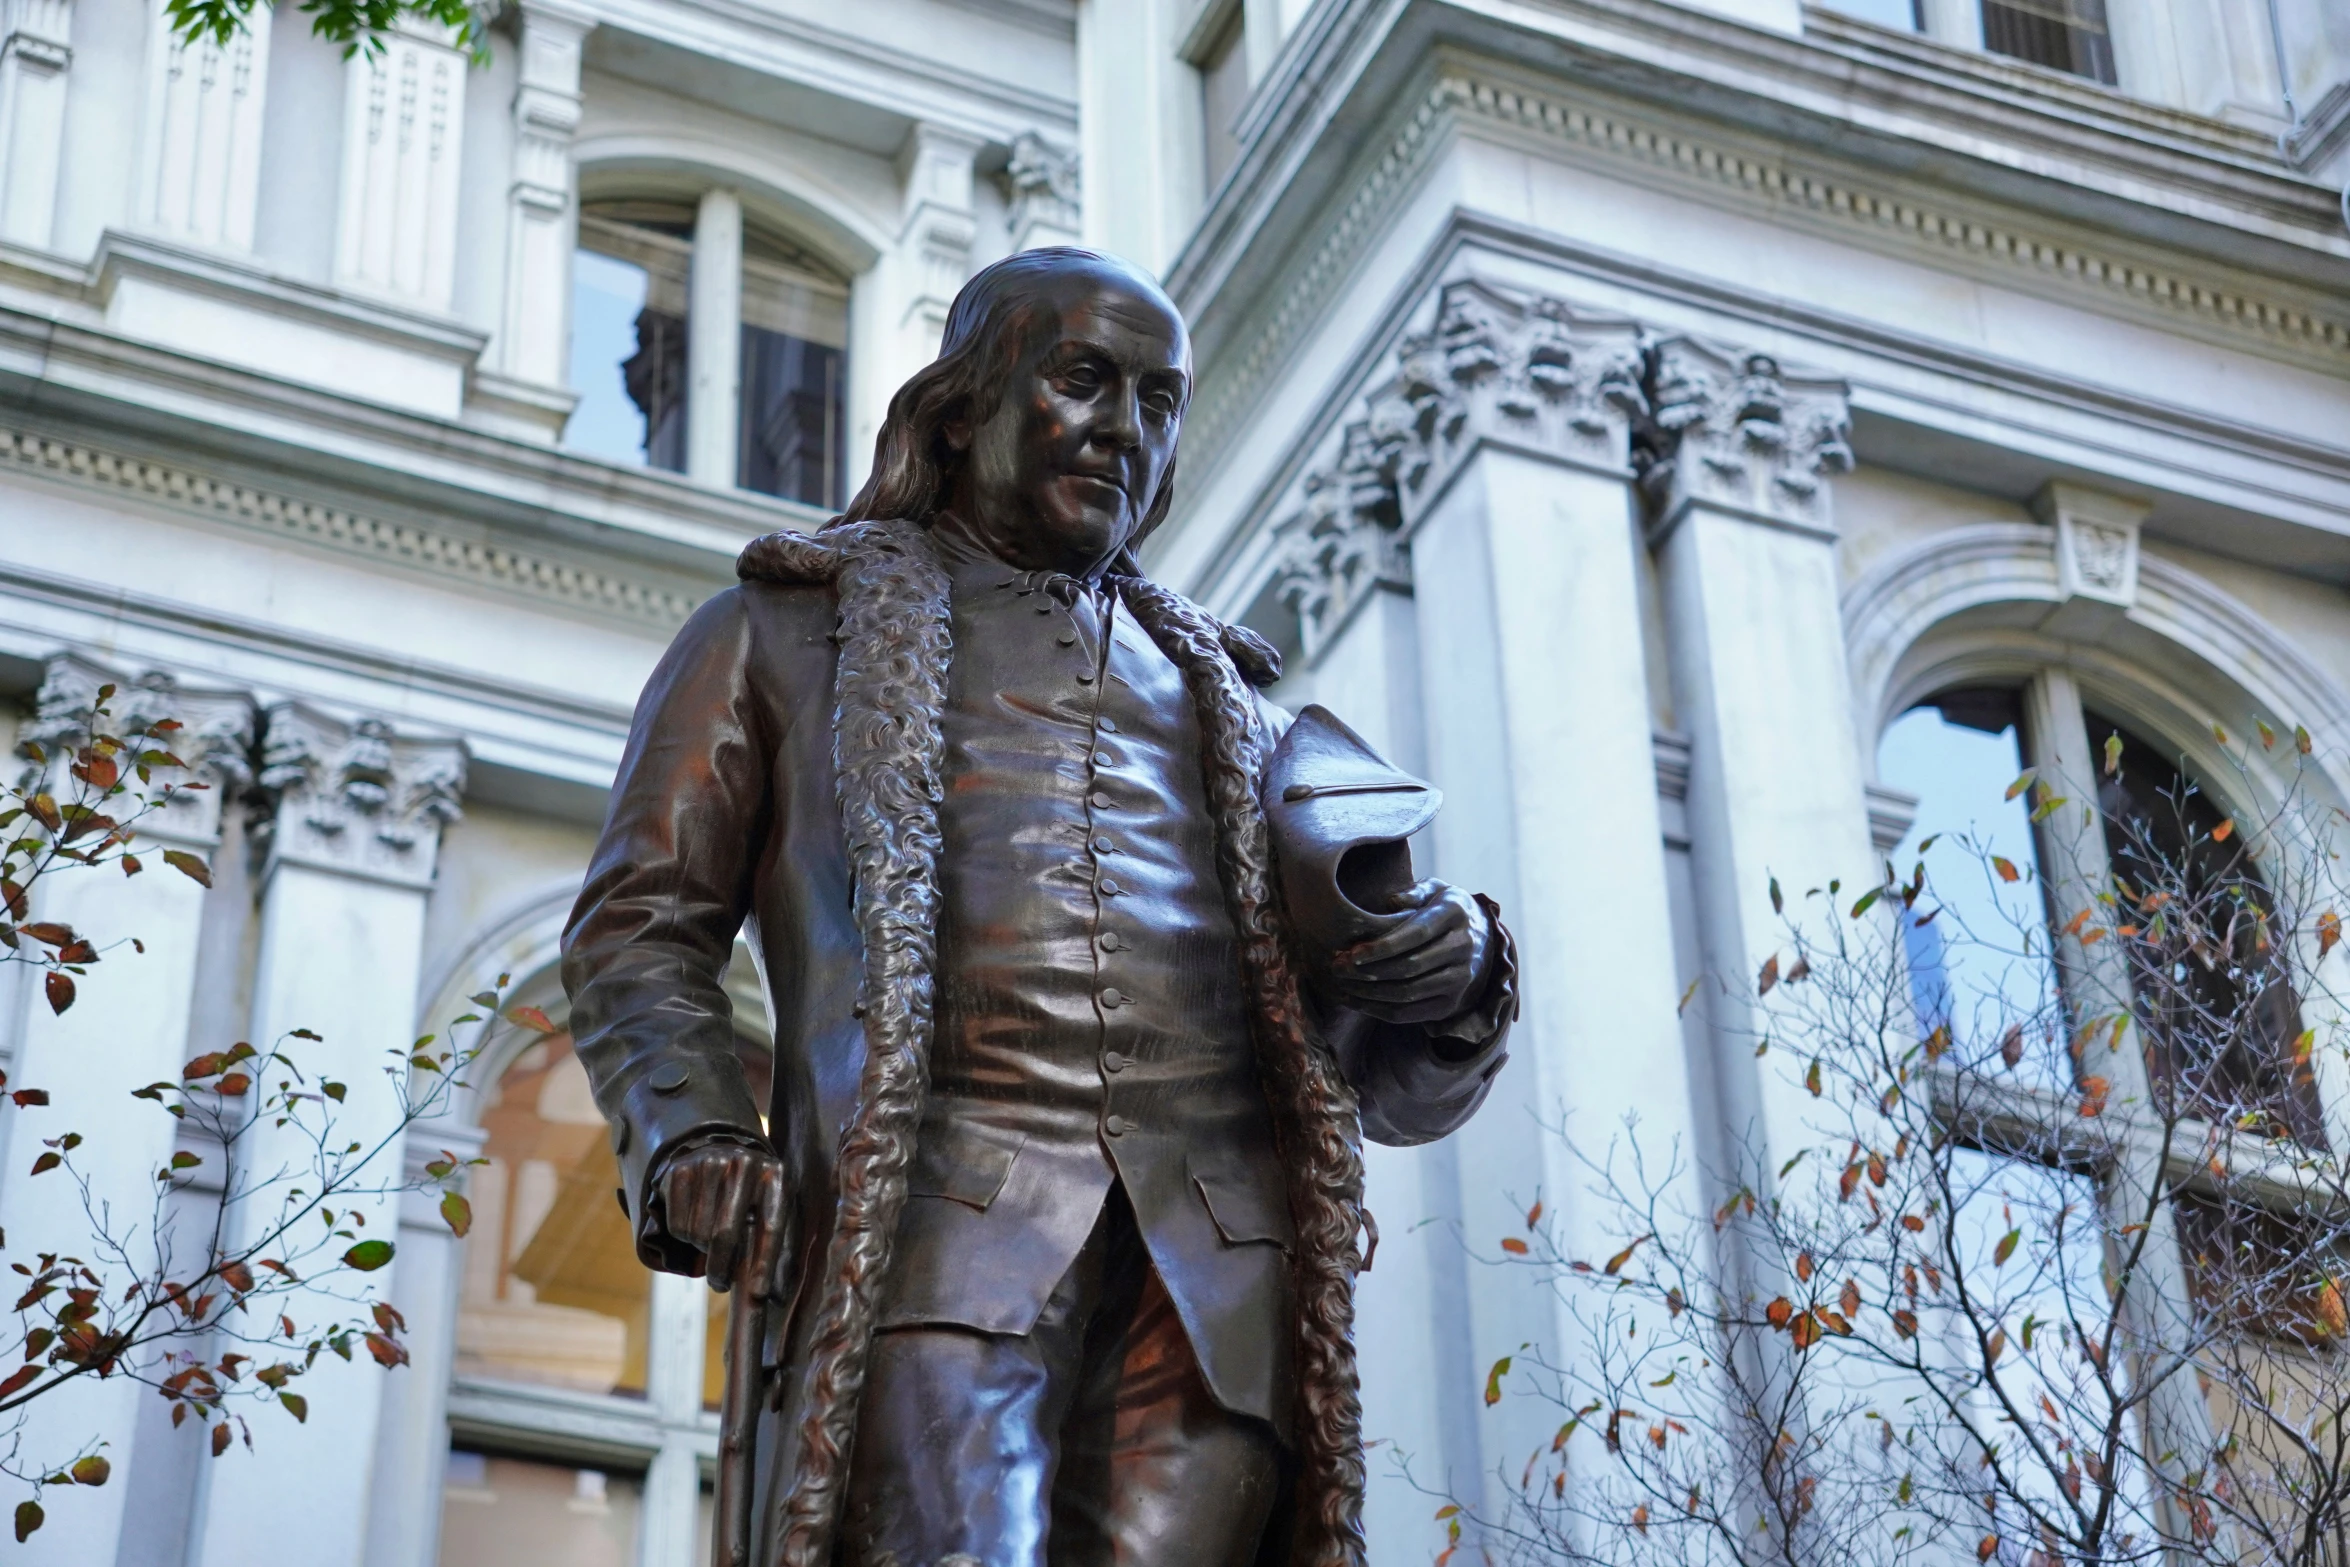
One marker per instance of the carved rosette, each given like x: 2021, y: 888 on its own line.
x: 1042, y: 189
x: 1532, y: 374
x: 357, y: 798
x: 215, y: 737
x: 1738, y: 430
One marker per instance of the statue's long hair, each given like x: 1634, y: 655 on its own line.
x: 991, y: 321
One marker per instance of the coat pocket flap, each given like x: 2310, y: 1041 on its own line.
x: 967, y: 1163
x: 1249, y: 1202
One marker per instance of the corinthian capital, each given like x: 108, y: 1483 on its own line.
x: 215, y: 737
x: 357, y: 798
x: 1738, y: 430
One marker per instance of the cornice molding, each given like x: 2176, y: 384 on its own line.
x: 473, y: 561
x: 2231, y: 311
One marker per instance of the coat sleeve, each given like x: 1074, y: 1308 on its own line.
x: 669, y: 887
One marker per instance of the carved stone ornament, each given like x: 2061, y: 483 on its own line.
x: 1738, y: 430
x: 2096, y: 542
x: 1041, y: 185
x: 1534, y: 374
x: 357, y: 798
x: 215, y: 737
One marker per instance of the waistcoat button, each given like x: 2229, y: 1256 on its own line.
x: 1116, y: 1125
x: 1101, y: 801
x: 1108, y: 726
x: 1112, y: 1061
x: 1113, y: 997
x: 1103, y: 846
x: 1067, y: 639
x: 1109, y: 886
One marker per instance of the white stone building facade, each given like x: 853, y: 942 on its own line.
x: 1687, y: 391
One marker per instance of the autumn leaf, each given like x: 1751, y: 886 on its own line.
x: 1501, y: 1368
x: 2268, y: 736
x: 2006, y: 1247
x: 26, y: 1098
x: 19, y: 1379
x: 1779, y: 1312
x: 233, y: 1084
x: 93, y: 1470
x: 296, y: 1405
x: 1804, y: 1267
x: 189, y: 865
x: 2330, y: 1315
x: 1850, y: 1299
x: 387, y: 1353
x: 368, y: 1256
x: 1640, y: 1518
x: 1534, y: 1214
x: 1769, y: 977
x: 2023, y: 781
x: 459, y: 1214
x: 2093, y: 1092
x: 220, y: 1439
x: 2329, y: 932
x: 1905, y: 1323
x: 28, y: 1518
x: 1811, y: 1078
x: 2011, y: 1045
x: 1615, y: 1264
x: 532, y: 1018
x: 1514, y: 1246
x: 2225, y: 830
x: 237, y: 1277
x: 2005, y: 867
x: 59, y: 990
x: 1995, y: 1347
x: 2301, y: 740
x: 1805, y: 1331
x: 1988, y: 1549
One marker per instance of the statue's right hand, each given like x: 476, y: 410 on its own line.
x: 730, y: 1201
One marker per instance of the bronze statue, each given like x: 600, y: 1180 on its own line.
x: 1053, y: 1223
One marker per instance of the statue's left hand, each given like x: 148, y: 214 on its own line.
x: 1425, y: 968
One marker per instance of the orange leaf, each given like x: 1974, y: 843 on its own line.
x: 2329, y: 932
x: 1768, y: 977
x: 1850, y: 1299
x: 1803, y: 1267
x: 1988, y: 1549
x: 532, y: 1018
x: 1779, y: 1311
x: 1514, y: 1246
x: 1616, y: 1263
x: 2093, y: 1092
x: 2005, y: 867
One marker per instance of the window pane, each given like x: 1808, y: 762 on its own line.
x: 628, y: 333
x: 2064, y: 35
x: 553, y: 1291
x: 2219, y: 1013
x: 1979, y: 963
x: 515, y: 1512
x: 794, y: 371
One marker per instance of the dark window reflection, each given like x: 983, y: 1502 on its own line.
x: 791, y: 438
x: 2219, y: 1012
x: 628, y: 332
x: 2064, y: 35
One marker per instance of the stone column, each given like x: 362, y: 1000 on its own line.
x: 1041, y: 184
x: 673, y: 1386
x: 412, y: 1437
x: 353, y: 841
x: 533, y: 347
x: 714, y: 342
x: 199, y: 171
x: 1508, y: 428
x: 35, y: 51
x: 1739, y: 453
x: 128, y: 1026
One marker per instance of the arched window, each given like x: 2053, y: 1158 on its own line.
x: 632, y: 341
x: 2001, y: 771
x: 584, y: 1385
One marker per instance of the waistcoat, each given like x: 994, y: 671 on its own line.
x: 1090, y: 1019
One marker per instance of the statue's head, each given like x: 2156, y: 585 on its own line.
x: 1047, y: 424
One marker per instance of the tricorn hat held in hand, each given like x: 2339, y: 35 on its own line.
x: 1339, y: 815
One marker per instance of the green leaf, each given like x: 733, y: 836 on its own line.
x: 28, y: 1518
x: 2047, y: 807
x: 458, y: 1212
x: 2006, y: 1248
x: 296, y: 1405
x: 1778, y: 903
x: 1501, y: 1368
x: 92, y: 1470
x: 368, y: 1256
x: 2022, y: 782
x: 1867, y: 900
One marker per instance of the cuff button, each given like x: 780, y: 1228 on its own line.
x: 669, y: 1079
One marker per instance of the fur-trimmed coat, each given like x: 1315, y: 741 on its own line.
x: 745, y: 795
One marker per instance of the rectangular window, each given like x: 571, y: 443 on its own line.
x: 628, y: 337
x: 2064, y: 35
x: 794, y: 361
x: 1900, y: 15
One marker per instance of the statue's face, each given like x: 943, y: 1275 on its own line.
x: 1060, y: 476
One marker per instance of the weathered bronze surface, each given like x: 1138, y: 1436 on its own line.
x: 1067, y: 1119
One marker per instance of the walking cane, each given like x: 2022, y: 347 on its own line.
x: 738, y: 1409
